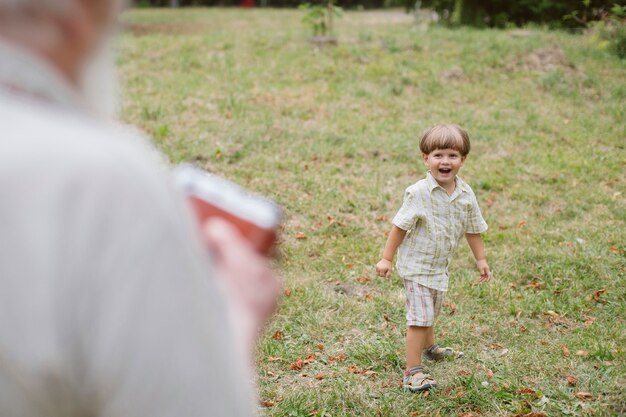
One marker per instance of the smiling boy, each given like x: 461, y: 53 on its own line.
x: 437, y: 211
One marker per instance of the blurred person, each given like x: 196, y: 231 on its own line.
x: 110, y: 303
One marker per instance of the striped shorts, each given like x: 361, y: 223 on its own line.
x: 423, y: 304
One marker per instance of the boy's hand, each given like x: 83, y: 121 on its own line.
x: 384, y: 268
x: 485, y: 271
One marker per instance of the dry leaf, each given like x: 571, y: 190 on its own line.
x: 535, y: 285
x: 528, y: 391
x: 287, y: 292
x: 319, y: 376
x: 566, y: 352
x: 551, y: 313
x: 596, y: 294
x: 338, y: 358
x: 300, y: 236
x: 451, y: 307
x: 297, y: 365
x: 267, y: 403
x: 582, y: 353
x: 585, y: 396
x: 320, y: 347
x: 309, y: 358
x: 489, y: 372
x: 368, y: 297
x: 571, y: 380
x: 278, y: 335
x: 521, y: 224
x: 363, y: 280
x: 616, y: 251
x: 274, y: 358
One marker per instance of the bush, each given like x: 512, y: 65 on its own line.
x: 610, y: 32
x: 499, y: 13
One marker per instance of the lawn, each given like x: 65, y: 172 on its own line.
x: 332, y: 134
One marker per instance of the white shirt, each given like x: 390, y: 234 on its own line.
x: 435, y: 222
x: 108, y: 306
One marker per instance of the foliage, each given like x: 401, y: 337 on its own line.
x: 320, y: 17
x: 499, y: 13
x: 610, y: 32
x: 332, y: 135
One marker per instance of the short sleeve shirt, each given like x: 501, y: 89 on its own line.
x: 435, y: 222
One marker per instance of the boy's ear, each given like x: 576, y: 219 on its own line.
x: 424, y: 157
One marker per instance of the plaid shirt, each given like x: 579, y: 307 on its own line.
x: 435, y: 222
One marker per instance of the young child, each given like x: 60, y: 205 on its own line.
x: 437, y: 211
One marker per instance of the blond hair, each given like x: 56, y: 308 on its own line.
x: 445, y: 136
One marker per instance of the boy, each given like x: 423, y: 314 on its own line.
x: 437, y: 211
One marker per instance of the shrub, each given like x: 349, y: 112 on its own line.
x: 498, y: 13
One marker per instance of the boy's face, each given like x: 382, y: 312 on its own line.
x: 444, y: 164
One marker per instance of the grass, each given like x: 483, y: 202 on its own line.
x: 332, y: 135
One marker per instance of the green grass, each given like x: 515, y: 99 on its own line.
x: 332, y: 135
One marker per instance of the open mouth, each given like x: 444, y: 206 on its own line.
x: 445, y: 170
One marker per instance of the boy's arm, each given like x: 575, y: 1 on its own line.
x: 476, y: 244
x: 385, y: 266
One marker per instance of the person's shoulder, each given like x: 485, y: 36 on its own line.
x: 59, y: 142
x: 419, y: 188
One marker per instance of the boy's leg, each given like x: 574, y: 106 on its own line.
x: 415, y: 338
x: 431, y: 350
x: 415, y: 378
x: 419, y: 320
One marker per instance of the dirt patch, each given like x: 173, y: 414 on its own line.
x: 355, y: 290
x: 452, y: 74
x: 544, y: 60
x: 143, y: 29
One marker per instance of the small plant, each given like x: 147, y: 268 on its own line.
x: 319, y: 17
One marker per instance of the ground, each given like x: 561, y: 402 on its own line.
x: 332, y: 135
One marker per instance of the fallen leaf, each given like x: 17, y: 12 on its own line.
x: 566, y: 351
x: 319, y: 376
x: 535, y: 285
x: 278, y: 335
x: 300, y: 236
x: 528, y: 391
x: 267, y: 403
x: 287, y: 292
x: 551, y: 313
x: 368, y: 297
x: 589, y: 321
x: 274, y: 358
x: 521, y: 224
x: 597, y: 293
x: 309, y: 358
x: 616, y: 251
x: 571, y: 380
x: 320, y: 347
x: 585, y: 396
x: 337, y: 358
x: 451, y: 307
x: 297, y: 365
x: 363, y: 280
x: 582, y: 353
x: 489, y: 372
x: 534, y: 414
